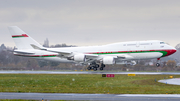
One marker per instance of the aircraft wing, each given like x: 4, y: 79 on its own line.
x: 89, y: 57
x: 61, y: 53
x: 124, y: 57
x: 67, y: 53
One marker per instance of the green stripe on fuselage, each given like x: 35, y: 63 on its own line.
x: 163, y: 52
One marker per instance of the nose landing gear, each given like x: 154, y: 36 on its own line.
x: 158, y: 64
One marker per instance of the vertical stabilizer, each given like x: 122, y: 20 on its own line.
x: 22, y: 39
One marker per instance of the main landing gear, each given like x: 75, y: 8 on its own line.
x: 94, y: 66
x: 102, y: 67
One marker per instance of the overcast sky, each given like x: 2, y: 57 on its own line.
x: 92, y: 22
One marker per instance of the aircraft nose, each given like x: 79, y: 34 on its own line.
x: 173, y: 51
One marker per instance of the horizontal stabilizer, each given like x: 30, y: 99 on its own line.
x: 23, y: 52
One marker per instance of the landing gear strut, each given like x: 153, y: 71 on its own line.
x: 89, y: 67
x: 158, y: 64
x: 102, y: 67
x: 95, y: 69
x: 94, y: 66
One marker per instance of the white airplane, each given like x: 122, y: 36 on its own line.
x: 94, y: 56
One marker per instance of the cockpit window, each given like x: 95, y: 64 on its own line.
x: 162, y: 42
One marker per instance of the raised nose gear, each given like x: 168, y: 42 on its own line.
x: 158, y: 63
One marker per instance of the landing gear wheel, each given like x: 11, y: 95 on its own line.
x: 97, y: 66
x: 95, y: 69
x: 157, y: 64
x: 102, y: 65
x: 101, y: 68
x: 89, y: 68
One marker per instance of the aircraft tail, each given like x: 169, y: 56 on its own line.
x: 22, y: 39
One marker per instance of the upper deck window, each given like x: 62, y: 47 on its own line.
x: 144, y: 43
x: 162, y: 43
x: 131, y: 44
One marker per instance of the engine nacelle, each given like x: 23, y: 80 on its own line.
x: 79, y: 58
x: 108, y: 60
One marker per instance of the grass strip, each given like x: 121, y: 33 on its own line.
x: 16, y: 100
x: 86, y: 83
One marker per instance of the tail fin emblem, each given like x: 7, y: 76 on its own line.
x: 19, y: 36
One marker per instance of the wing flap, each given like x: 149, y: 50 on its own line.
x: 91, y: 56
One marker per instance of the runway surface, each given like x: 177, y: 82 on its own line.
x: 175, y: 81
x: 107, y: 97
x: 86, y: 72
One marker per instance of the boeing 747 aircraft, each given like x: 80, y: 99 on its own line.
x: 93, y: 56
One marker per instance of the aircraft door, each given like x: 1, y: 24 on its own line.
x: 128, y: 50
x: 137, y: 44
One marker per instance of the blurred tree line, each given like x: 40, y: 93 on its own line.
x: 46, y: 44
x: 10, y: 62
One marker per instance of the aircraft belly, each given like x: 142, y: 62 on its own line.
x: 147, y: 55
x: 57, y: 59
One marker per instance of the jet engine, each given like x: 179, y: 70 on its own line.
x: 108, y: 60
x: 79, y: 58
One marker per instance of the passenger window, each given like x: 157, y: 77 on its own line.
x: 131, y: 44
x: 144, y: 43
x: 162, y: 43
